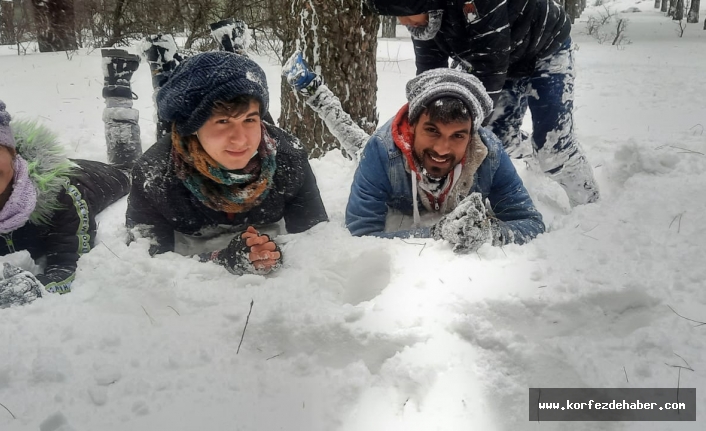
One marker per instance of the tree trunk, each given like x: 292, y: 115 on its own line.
x: 570, y: 8
x: 197, y: 21
x: 116, y: 23
x: 7, y: 23
x: 389, y: 26
x: 658, y: 4
x: 339, y: 42
x: 55, y: 25
x: 665, y: 6
x: 693, y: 17
x: 679, y: 11
x: 580, y: 7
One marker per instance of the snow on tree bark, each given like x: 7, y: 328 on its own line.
x: 54, y: 20
x: 679, y: 11
x: 7, y: 28
x: 672, y: 8
x: 339, y: 41
x: 693, y: 16
x: 389, y: 26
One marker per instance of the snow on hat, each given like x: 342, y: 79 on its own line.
x: 189, y: 95
x: 6, y: 137
x: 437, y: 83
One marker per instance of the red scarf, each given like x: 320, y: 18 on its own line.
x: 403, y: 137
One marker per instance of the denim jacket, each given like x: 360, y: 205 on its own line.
x: 383, y: 183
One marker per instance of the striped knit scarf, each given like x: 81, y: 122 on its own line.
x: 236, y: 191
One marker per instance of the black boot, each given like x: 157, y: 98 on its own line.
x: 118, y: 67
x: 122, y: 129
x: 160, y: 50
x: 230, y: 34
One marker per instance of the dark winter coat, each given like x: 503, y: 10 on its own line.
x: 160, y: 204
x: 63, y: 224
x: 501, y: 39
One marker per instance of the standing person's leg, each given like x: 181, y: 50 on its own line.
x: 507, y: 116
x: 558, y: 151
x: 122, y: 129
x: 161, y: 53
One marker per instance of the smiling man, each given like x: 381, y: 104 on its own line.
x: 521, y: 51
x: 434, y: 162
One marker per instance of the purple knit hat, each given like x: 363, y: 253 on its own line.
x: 6, y: 137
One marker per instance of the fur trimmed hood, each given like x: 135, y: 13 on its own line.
x: 49, y: 168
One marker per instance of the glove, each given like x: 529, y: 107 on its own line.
x: 468, y: 226
x: 238, y: 256
x: 299, y: 76
x: 18, y: 287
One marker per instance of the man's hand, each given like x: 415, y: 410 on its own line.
x: 18, y: 287
x: 468, y: 226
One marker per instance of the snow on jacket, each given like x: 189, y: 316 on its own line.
x: 160, y: 204
x: 383, y: 182
x: 497, y: 39
x: 70, y: 195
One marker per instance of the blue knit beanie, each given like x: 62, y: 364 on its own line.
x: 189, y: 95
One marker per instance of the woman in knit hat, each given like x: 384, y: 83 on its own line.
x: 222, y: 169
x: 48, y: 205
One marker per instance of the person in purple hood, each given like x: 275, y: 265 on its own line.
x: 48, y: 205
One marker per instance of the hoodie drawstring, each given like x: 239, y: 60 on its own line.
x: 415, y: 208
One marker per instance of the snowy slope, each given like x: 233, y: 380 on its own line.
x: 371, y: 334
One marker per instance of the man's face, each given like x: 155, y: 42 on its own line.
x: 419, y: 20
x: 438, y: 146
x: 232, y: 141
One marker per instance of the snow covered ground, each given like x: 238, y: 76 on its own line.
x: 372, y: 334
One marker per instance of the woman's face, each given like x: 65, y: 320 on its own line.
x: 232, y: 141
x: 7, y: 172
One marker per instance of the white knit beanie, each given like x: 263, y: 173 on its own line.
x: 437, y: 83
